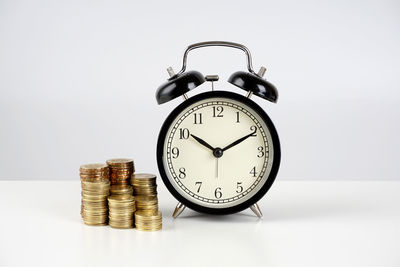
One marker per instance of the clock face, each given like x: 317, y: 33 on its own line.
x: 218, y: 151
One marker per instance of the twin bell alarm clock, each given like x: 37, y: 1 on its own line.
x: 218, y: 152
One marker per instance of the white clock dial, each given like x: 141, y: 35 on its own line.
x: 218, y: 152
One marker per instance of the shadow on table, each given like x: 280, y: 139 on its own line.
x: 292, y: 209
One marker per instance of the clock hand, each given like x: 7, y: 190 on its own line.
x: 239, y: 141
x: 216, y: 171
x: 201, y: 141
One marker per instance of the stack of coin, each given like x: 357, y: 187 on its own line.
x: 145, y: 191
x: 148, y: 204
x: 148, y: 222
x: 95, y: 189
x: 147, y: 217
x: 120, y: 170
x: 144, y: 184
x: 121, y: 211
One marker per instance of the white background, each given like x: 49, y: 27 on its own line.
x: 77, y: 80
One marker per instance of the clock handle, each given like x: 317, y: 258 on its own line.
x: 218, y: 43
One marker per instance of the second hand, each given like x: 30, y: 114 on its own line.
x: 217, y: 168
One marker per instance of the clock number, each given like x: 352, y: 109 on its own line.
x: 182, y: 173
x: 199, y: 184
x: 218, y: 193
x: 253, y: 129
x: 253, y: 171
x: 183, y: 133
x: 175, y: 152
x: 218, y: 110
x: 260, y: 152
x: 239, y: 187
x: 237, y: 117
x: 198, y: 118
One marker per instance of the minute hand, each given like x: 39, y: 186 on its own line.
x: 239, y: 141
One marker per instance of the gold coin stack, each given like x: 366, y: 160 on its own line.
x: 148, y: 217
x: 95, y: 185
x: 148, y: 222
x: 145, y: 191
x: 121, y: 211
x: 120, y: 171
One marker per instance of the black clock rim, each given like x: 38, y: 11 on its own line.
x: 275, y: 165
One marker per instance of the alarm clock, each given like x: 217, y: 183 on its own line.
x: 218, y: 152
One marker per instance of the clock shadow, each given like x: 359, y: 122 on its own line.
x: 319, y: 209
x: 244, y: 216
x: 299, y: 210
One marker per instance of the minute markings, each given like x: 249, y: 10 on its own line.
x: 219, y: 103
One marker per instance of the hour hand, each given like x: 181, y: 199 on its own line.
x: 201, y: 141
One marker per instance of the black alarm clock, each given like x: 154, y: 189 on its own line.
x: 218, y: 152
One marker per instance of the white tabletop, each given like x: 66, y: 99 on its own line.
x: 305, y: 223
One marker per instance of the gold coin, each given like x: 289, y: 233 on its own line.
x: 89, y: 203
x: 120, y: 171
x: 152, y: 192
x: 94, y: 172
x: 94, y: 197
x: 147, y: 207
x: 121, y: 189
x: 117, y: 211
x: 120, y: 199
x: 95, y: 220
x: 95, y: 210
x: 143, y: 216
x: 115, y: 175
x: 119, y: 162
x: 127, y: 218
x: 143, y: 176
x: 129, y: 206
x: 95, y: 183
x: 123, y: 180
x: 89, y: 194
x: 145, y: 189
x: 97, y: 176
x: 121, y: 206
x: 95, y: 167
x: 140, y: 205
x: 149, y: 212
x: 120, y: 213
x: 95, y: 223
x: 95, y: 188
x: 119, y: 226
x: 92, y: 189
x: 150, y: 229
x: 113, y: 182
x: 95, y: 179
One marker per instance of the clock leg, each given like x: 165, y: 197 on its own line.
x: 256, y: 209
x: 178, y: 210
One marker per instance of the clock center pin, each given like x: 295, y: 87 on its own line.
x: 218, y: 152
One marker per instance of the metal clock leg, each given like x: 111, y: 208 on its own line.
x: 178, y: 210
x: 256, y: 209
